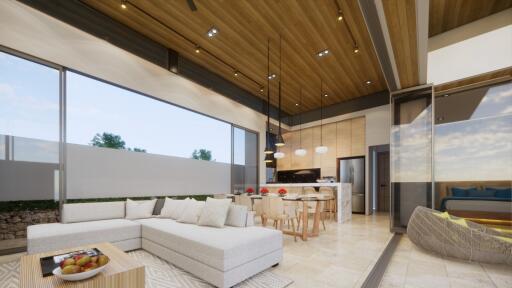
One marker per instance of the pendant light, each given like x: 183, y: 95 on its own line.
x: 280, y: 140
x: 268, y: 149
x: 301, y: 151
x: 321, y: 149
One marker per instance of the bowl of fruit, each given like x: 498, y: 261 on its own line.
x: 80, y: 267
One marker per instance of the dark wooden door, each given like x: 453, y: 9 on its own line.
x: 383, y: 181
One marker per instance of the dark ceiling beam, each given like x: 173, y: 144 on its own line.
x: 349, y: 106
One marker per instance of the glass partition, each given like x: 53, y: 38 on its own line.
x: 411, y: 153
x: 473, y: 153
x: 245, y: 160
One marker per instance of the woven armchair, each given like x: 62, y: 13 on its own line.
x: 455, y: 237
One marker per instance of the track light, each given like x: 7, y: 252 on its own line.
x: 123, y: 4
x: 212, y: 32
x: 271, y: 76
x: 236, y: 73
x: 340, y: 15
x: 322, y: 53
x: 198, y: 49
x: 261, y: 89
x: 356, y: 49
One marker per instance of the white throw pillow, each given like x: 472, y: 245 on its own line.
x: 237, y: 216
x: 192, y: 212
x: 173, y: 208
x: 139, y: 209
x: 215, y: 212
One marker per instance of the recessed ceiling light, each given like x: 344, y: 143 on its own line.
x: 325, y: 95
x: 271, y: 76
x: 123, y: 4
x: 236, y: 73
x: 356, y: 49
x: 261, y: 89
x: 322, y: 53
x: 198, y: 49
x: 368, y: 82
x: 212, y: 32
x: 296, y: 104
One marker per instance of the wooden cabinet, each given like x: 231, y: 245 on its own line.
x: 358, y: 144
x: 343, y: 139
x: 344, y: 136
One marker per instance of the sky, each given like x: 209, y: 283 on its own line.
x: 29, y: 107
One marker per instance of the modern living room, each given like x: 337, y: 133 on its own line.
x: 200, y: 143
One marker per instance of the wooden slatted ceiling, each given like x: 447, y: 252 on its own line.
x: 401, y: 22
x: 445, y: 15
x: 244, y: 26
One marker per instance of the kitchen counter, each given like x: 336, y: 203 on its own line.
x: 343, y: 195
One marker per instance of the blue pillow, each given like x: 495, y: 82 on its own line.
x: 502, y: 193
x: 462, y: 192
x: 480, y: 193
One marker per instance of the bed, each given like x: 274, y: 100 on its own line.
x: 480, y: 200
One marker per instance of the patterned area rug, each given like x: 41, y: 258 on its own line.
x: 160, y: 274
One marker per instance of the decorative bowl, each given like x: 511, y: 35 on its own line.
x: 77, y: 276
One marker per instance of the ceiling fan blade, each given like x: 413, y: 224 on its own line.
x: 192, y: 5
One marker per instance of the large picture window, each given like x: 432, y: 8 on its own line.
x: 101, y: 114
x: 29, y: 129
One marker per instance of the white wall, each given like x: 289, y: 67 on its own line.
x: 30, y: 31
x: 475, y: 48
x: 94, y: 172
x: 378, y: 125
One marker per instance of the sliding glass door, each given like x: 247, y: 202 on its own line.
x: 411, y: 147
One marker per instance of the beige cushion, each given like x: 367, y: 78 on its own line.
x: 237, y: 216
x: 173, y: 208
x: 192, y: 212
x: 215, y: 212
x: 139, y: 209
x: 81, y: 212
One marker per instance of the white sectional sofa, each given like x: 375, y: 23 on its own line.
x: 221, y: 256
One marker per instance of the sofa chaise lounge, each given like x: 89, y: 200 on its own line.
x: 221, y: 256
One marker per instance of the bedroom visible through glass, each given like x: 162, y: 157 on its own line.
x: 473, y: 154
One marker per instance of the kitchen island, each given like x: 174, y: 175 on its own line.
x: 343, y: 194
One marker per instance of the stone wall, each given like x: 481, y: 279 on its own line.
x: 14, y: 224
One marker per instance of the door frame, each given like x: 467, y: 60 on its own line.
x: 372, y: 171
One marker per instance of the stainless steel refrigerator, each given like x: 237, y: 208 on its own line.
x: 352, y: 171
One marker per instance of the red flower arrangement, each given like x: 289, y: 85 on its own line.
x: 264, y: 191
x: 282, y: 191
x: 249, y: 190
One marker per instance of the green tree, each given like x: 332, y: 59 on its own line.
x: 202, y: 154
x: 110, y: 140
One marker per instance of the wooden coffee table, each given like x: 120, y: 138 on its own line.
x: 121, y: 271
